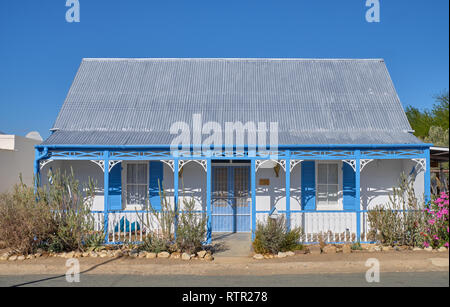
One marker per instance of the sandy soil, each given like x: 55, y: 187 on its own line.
x: 391, y: 261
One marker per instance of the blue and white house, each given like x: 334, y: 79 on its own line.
x: 332, y: 141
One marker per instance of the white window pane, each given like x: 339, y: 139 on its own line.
x: 322, y: 173
x: 332, y: 194
x: 131, y: 194
x: 142, y: 194
x: 322, y: 191
x: 131, y: 173
x: 332, y: 173
x: 142, y: 174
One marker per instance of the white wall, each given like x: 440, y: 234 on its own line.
x: 16, y: 157
x: 83, y: 170
x: 380, y: 176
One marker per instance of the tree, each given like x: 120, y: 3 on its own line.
x: 437, y: 136
x: 423, y: 121
x: 440, y: 111
x: 419, y: 121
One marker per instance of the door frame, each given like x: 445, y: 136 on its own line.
x: 231, y: 198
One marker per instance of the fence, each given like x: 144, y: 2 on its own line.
x: 329, y: 226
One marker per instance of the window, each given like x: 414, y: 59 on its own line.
x: 327, y: 184
x: 136, y: 183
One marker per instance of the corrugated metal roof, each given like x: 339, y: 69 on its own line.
x: 314, y: 101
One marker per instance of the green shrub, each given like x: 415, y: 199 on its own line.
x: 71, y: 211
x: 55, y: 217
x: 356, y: 246
x: 94, y: 241
x: 163, y: 219
x: 24, y: 221
x: 191, y: 228
x: 154, y: 243
x: 273, y: 237
x: 402, y: 221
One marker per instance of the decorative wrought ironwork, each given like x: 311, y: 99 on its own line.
x: 182, y: 163
x: 170, y: 163
x: 274, y: 155
x: 363, y: 163
x: 43, y: 163
x: 392, y: 154
x: 111, y: 164
x: 352, y: 163
x: 422, y: 163
x: 322, y: 154
x: 259, y: 163
x: 293, y: 163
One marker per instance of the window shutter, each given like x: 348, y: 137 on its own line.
x: 155, y: 182
x: 348, y: 183
x: 115, y: 187
x: 308, y: 185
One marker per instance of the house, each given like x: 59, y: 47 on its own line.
x: 338, y: 138
x: 16, y: 159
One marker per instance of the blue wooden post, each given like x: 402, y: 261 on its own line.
x: 37, y: 173
x: 175, y: 194
x: 208, y: 201
x: 358, y: 194
x: 106, y: 193
x: 288, y: 190
x: 253, y: 191
x: 427, y: 179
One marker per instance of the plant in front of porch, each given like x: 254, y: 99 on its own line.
x: 437, y: 228
x: 400, y: 222
x: 25, y: 222
x: 70, y: 204
x: 56, y: 218
x: 191, y: 230
x: 189, y: 234
x: 272, y: 237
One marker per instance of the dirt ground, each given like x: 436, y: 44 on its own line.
x: 390, y: 261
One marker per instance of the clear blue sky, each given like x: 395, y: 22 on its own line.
x: 40, y: 52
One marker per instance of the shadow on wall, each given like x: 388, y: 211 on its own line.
x: 274, y: 194
x: 379, y: 177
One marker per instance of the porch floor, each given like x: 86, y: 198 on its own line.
x: 232, y: 244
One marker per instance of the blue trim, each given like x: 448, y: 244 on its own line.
x: 358, y: 194
x: 308, y: 189
x: 175, y: 194
x: 208, y: 201
x: 349, y: 187
x: 106, y: 194
x: 288, y: 191
x: 156, y: 177
x: 234, y: 147
x: 253, y: 192
x: 115, y: 187
x: 427, y: 179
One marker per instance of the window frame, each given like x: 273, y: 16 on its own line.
x: 130, y: 206
x: 339, y: 205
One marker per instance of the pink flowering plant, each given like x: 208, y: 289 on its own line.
x: 436, y: 229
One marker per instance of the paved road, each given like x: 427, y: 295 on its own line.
x: 439, y: 279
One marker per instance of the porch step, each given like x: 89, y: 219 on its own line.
x: 232, y: 244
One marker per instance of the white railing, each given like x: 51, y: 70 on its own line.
x: 327, y: 226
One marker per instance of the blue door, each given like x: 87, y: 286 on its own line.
x: 230, y: 201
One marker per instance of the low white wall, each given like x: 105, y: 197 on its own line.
x: 16, y: 157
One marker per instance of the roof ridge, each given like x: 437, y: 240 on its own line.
x: 235, y: 59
